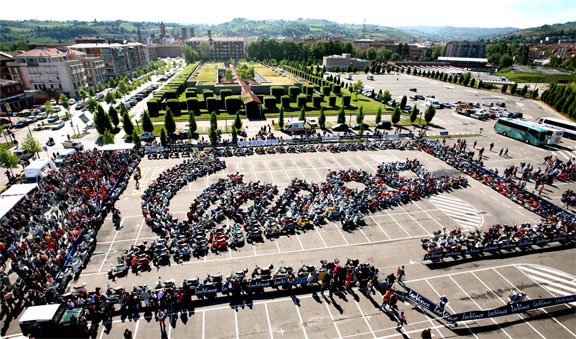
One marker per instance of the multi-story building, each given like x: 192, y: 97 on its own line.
x: 5, y: 58
x: 12, y: 93
x: 50, y: 71
x: 465, y: 49
x: 119, y: 59
x: 343, y: 61
x: 222, y: 48
x: 158, y: 51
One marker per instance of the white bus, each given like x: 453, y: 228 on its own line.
x: 568, y: 127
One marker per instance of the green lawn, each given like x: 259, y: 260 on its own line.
x: 535, y: 78
x: 207, y: 73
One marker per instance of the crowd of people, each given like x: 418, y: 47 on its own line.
x: 48, y: 236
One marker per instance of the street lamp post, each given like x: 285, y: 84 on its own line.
x: 138, y: 125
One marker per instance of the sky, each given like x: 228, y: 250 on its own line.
x: 462, y: 13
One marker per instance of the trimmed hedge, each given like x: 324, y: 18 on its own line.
x: 301, y: 100
x: 326, y: 90
x: 225, y: 93
x: 153, y: 107
x: 192, y: 104
x: 316, y: 100
x: 270, y: 102
x: 174, y: 106
x: 190, y: 93
x: 233, y: 104
x: 207, y: 93
x: 336, y: 89
x: 277, y: 92
x: 285, y: 101
x: 310, y: 90
x: 212, y: 104
x: 294, y: 91
x: 171, y: 94
x: 332, y: 101
x: 346, y: 100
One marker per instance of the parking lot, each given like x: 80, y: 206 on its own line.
x: 389, y: 239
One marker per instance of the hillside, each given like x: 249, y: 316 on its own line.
x: 459, y: 33
x: 535, y: 34
x: 12, y: 31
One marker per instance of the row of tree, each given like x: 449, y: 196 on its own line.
x: 562, y: 98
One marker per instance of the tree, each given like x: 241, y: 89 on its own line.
x: 372, y: 53
x: 234, y: 134
x: 379, y: 114
x: 386, y: 96
x: 109, y: 98
x: 192, y: 126
x: 91, y: 91
x: 204, y: 50
x: 302, y: 115
x: 8, y: 160
x: 429, y: 114
x: 322, y: 118
x: 524, y: 91
x: 127, y: 124
x: 189, y: 54
x: 49, y: 108
x: 83, y: 94
x: 65, y: 103
x: 101, y: 120
x: 513, y: 89
x: 169, y: 122
x: 534, y: 94
x: 136, y: 141
x: 238, y: 121
x: 123, y: 88
x: 360, y: 116
x: 341, y: 116
x: 366, y: 69
x: 107, y: 137
x: 396, y: 115
x: 414, y: 114
x: 92, y: 105
x: 504, y: 88
x: 357, y: 88
x: 213, y: 131
x: 31, y: 145
x: 163, y: 138
x: 506, y: 61
x: 281, y: 118
x: 403, y: 102
x: 228, y: 74
x: 147, y: 122
x: 113, y: 115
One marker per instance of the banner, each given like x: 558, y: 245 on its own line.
x: 496, y: 248
x: 258, y: 142
x: 423, y: 302
x: 519, y: 307
x: 83, y: 118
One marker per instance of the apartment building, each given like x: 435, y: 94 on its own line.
x: 50, y: 71
x: 343, y: 61
x: 119, y: 59
x: 222, y: 48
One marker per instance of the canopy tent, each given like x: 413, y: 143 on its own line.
x: 12, y: 196
x: 116, y: 147
x: 21, y: 189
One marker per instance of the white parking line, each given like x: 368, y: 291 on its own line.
x: 475, y: 303
x: 333, y: 321
x: 426, y: 232
x: 447, y: 306
x: 301, y: 321
x: 380, y: 227
x: 109, y: 248
x: 203, y: 324
x: 268, y: 319
x: 236, y: 323
x: 364, y: 317
x: 397, y: 223
x: 497, y: 296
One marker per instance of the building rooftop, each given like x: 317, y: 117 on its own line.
x: 49, y: 52
x: 217, y: 38
x: 455, y: 59
x: 104, y: 45
x: 6, y: 82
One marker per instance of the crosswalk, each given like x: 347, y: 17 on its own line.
x: 554, y: 281
x: 464, y: 214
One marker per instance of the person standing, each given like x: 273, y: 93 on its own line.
x: 491, y: 146
x: 162, y: 320
x: 426, y: 334
x: 400, y: 273
x: 506, y: 152
x: 127, y: 334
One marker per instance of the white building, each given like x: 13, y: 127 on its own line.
x: 50, y: 71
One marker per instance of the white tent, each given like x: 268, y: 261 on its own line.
x: 12, y: 196
x: 116, y: 147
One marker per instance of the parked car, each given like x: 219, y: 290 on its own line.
x: 58, y: 125
x: 340, y: 128
x: 312, y: 122
x: 99, y: 97
x: 5, y: 122
x: 413, y: 97
x: 447, y: 105
x: 71, y: 101
x: 147, y: 136
x: 79, y: 105
x: 356, y: 127
x: 42, y: 116
x: 413, y: 90
x: 23, y: 154
x: 32, y: 119
x: 431, y: 96
x: 407, y: 108
x: 384, y: 124
x: 515, y: 115
x: 53, y: 102
x: 77, y: 145
x: 53, y: 118
x: 21, y: 123
x: 24, y: 113
x: 57, y: 109
x: 419, y: 97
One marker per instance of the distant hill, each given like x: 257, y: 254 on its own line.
x: 459, y: 33
x: 535, y: 34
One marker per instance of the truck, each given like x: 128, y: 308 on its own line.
x: 53, y: 321
x: 294, y: 127
x: 38, y: 169
x: 77, y: 145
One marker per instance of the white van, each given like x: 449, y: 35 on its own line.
x: 293, y: 127
x: 431, y: 101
